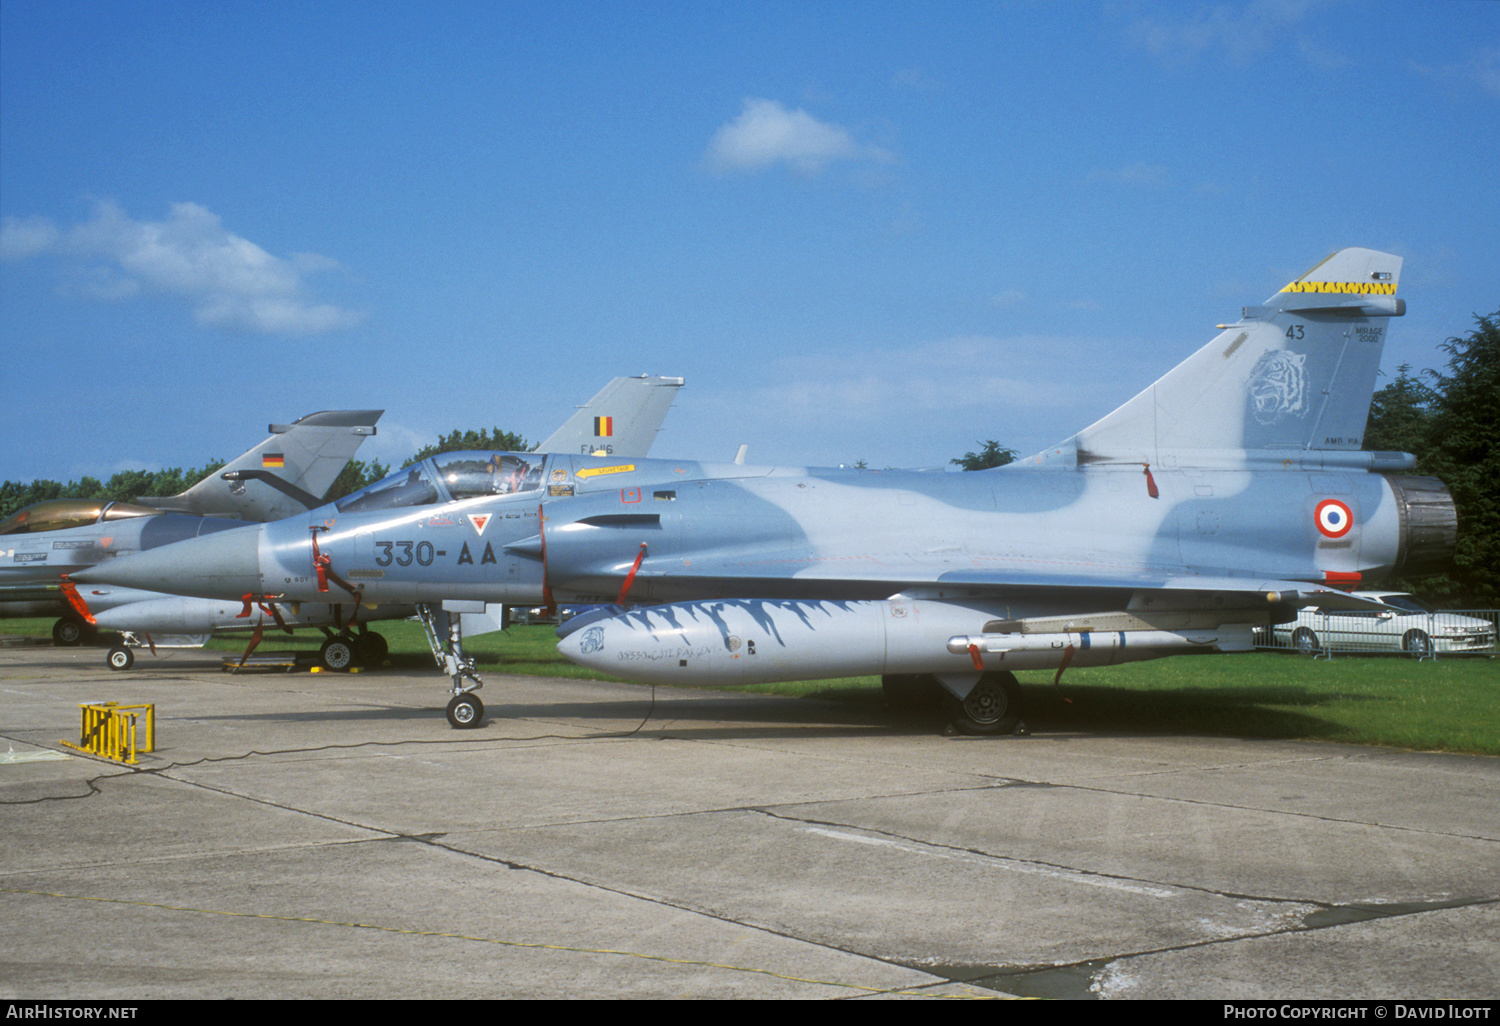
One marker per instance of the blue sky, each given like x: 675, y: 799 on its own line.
x: 880, y: 231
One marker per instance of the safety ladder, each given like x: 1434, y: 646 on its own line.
x: 109, y: 730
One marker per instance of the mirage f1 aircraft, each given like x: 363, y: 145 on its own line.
x: 287, y: 473
x: 1221, y: 499
x: 624, y: 417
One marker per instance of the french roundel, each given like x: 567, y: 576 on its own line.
x: 1334, y: 518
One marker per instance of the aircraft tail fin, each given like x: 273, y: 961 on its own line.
x: 622, y: 420
x: 1295, y: 373
x: 287, y: 473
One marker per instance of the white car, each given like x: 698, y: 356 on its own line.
x: 1411, y: 626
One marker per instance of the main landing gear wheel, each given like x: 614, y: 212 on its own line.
x: 372, y: 649
x: 120, y: 658
x: 465, y: 711
x: 337, y: 653
x: 993, y: 707
x: 67, y: 632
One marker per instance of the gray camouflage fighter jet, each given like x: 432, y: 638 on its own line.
x: 1224, y: 497
x: 288, y: 472
x: 624, y: 416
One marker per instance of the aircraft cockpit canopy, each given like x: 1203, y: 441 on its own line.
x: 57, y: 514
x: 448, y: 477
x: 465, y: 474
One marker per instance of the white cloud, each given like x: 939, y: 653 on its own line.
x: 1139, y: 174
x: 766, y: 133
x: 22, y: 237
x: 1481, y: 69
x: 916, y: 80
x: 230, y: 281
x: 1484, y: 70
x: 957, y: 373
x: 1243, y: 31
x: 102, y: 284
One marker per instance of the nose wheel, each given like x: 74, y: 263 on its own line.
x: 465, y: 711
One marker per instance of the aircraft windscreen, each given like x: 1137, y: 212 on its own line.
x: 57, y: 514
x: 407, y: 487
x: 449, y: 476
x: 467, y: 474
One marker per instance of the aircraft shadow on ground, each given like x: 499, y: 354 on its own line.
x: 728, y: 717
x: 1249, y: 711
x: 1267, y: 711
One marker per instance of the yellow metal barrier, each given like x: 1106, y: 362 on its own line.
x: 108, y: 730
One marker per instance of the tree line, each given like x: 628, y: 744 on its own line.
x: 1450, y: 420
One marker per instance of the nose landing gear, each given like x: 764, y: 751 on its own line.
x: 445, y: 637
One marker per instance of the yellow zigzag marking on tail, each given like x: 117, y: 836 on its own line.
x: 1367, y: 288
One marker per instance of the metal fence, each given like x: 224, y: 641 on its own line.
x: 1451, y: 633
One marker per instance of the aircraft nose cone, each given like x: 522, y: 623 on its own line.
x: 222, y: 565
x: 624, y: 645
x: 588, y: 646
